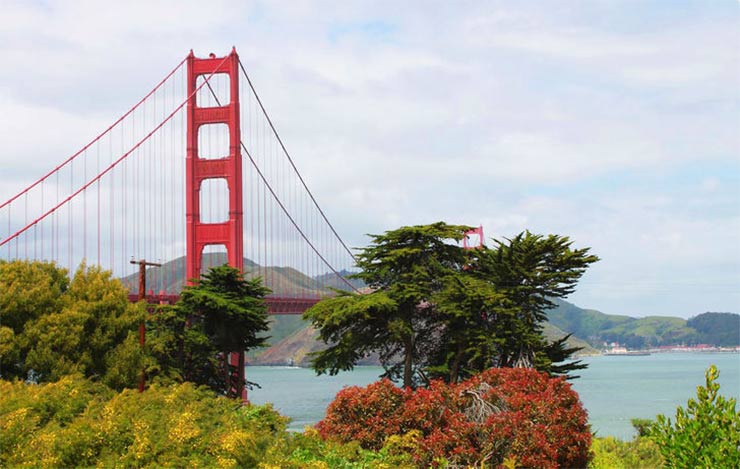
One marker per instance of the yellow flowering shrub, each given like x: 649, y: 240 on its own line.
x: 74, y: 422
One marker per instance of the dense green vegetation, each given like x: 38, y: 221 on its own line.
x: 612, y: 453
x: 52, y: 327
x: 436, y: 310
x: 75, y: 422
x: 222, y: 313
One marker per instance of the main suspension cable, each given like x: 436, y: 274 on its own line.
x: 285, y: 150
x: 282, y: 206
x: 111, y: 166
x: 96, y: 139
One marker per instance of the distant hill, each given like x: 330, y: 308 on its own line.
x: 331, y: 280
x: 292, y: 350
x: 283, y: 281
x: 590, y: 329
x: 553, y: 333
x: 721, y: 329
x: 718, y: 329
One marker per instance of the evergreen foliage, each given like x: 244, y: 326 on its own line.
x: 404, y: 268
x: 515, y: 284
x: 222, y: 313
x: 436, y: 310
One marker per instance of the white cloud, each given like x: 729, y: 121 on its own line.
x: 515, y: 117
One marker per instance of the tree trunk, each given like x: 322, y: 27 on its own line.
x: 227, y: 373
x: 407, y: 363
x: 455, y: 366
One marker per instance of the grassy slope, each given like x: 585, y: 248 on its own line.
x: 596, y: 327
x: 584, y: 323
x: 656, y: 327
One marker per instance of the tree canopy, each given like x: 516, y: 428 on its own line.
x: 435, y: 309
x: 522, y: 276
x: 404, y: 268
x: 52, y: 327
x: 222, y: 313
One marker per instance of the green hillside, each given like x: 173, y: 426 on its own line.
x: 584, y: 323
x: 719, y: 329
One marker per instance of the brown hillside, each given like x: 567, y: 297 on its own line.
x: 292, y: 350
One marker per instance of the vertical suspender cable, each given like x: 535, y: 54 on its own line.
x: 43, y: 253
x: 97, y: 171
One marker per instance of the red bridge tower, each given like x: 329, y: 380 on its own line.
x: 227, y: 167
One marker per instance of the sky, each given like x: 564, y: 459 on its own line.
x: 616, y: 123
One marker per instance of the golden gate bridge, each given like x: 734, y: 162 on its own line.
x: 191, y: 176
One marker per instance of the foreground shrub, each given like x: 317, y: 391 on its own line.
x: 515, y: 416
x: 74, y: 422
x: 612, y: 453
x: 705, y: 434
x: 309, y: 450
x: 367, y: 415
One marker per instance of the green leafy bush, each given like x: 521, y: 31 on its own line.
x: 52, y: 327
x: 705, y: 434
x: 309, y: 450
x: 611, y: 453
x: 643, y: 426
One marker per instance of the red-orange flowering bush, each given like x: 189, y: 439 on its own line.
x: 519, y: 415
x: 367, y: 415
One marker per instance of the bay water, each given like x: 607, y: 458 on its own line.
x: 613, y: 389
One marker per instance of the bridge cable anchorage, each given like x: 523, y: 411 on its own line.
x: 284, y: 209
x: 285, y: 150
x: 96, y: 139
x: 110, y: 167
